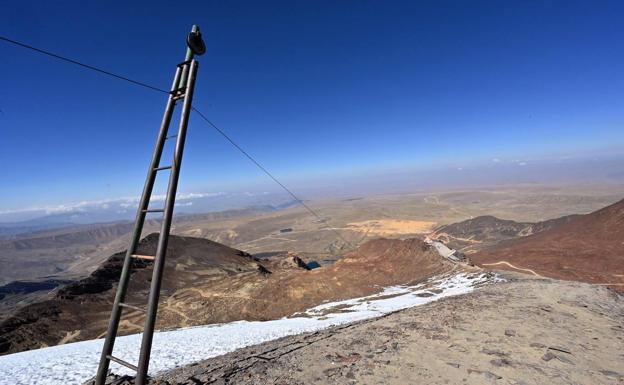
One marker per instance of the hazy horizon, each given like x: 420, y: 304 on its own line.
x: 589, y: 169
x: 332, y: 98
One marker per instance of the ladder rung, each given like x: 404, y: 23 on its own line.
x: 171, y: 136
x: 146, y: 257
x: 122, y: 362
x: 162, y: 168
x: 187, y: 62
x: 132, y: 307
x: 178, y: 97
x: 154, y: 211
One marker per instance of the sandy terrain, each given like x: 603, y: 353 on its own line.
x: 384, y: 227
x: 525, y: 331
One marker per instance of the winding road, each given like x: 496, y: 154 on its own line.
x: 512, y: 266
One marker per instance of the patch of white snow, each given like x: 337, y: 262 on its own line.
x: 76, y: 362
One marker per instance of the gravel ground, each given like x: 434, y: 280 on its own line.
x: 524, y: 331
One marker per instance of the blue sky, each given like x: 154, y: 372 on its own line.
x: 311, y: 89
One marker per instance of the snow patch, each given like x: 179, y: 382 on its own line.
x: 77, y: 362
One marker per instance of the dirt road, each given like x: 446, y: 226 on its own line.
x: 512, y: 266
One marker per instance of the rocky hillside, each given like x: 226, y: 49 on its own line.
x: 80, y: 310
x: 206, y: 282
x: 291, y: 288
x: 73, y: 252
x: 375, y: 264
x: 61, y: 250
x: 586, y: 248
x: 484, y: 231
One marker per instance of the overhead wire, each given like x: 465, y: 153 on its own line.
x: 245, y: 153
x: 268, y: 173
x: 158, y: 89
x: 76, y: 62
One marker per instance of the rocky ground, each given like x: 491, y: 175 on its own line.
x: 206, y: 282
x: 525, y: 331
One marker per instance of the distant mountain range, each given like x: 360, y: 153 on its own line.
x: 88, y: 212
x: 605, y: 167
x: 71, y: 251
x: 8, y: 229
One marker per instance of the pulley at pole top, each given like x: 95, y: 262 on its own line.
x: 194, y: 46
x: 195, y: 43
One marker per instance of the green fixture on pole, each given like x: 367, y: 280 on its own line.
x: 194, y: 46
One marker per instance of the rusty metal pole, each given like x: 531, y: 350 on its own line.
x: 183, y: 88
x: 159, y: 263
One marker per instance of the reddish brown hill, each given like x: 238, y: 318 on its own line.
x: 377, y: 263
x: 485, y: 231
x: 206, y: 282
x: 80, y: 310
x: 586, y: 248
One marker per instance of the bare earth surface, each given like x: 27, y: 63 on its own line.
x: 587, y: 248
x: 73, y: 253
x: 206, y: 282
x: 385, y: 227
x: 527, y: 330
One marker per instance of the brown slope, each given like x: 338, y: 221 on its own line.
x: 587, y: 248
x: 206, y: 282
x: 80, y: 310
x: 485, y: 231
x: 375, y: 264
x: 70, y: 253
x: 457, y: 340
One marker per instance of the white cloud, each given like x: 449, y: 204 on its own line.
x: 495, y: 160
x: 198, y: 195
x: 106, y: 204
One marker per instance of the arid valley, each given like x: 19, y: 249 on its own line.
x: 312, y: 192
x: 261, y: 264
